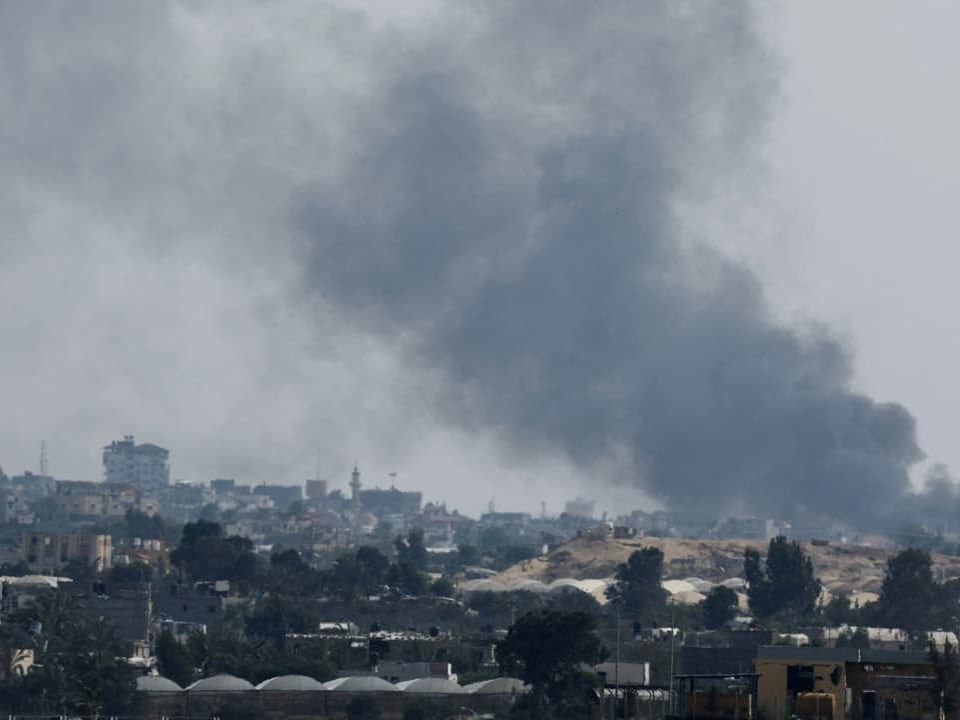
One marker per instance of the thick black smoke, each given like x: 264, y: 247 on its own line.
x: 499, y: 194
x: 526, y: 238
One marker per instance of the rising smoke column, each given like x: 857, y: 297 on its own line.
x: 490, y: 199
x: 514, y: 216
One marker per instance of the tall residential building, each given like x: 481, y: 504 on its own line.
x: 145, y: 466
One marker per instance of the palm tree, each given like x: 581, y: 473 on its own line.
x: 52, y: 686
x: 60, y: 620
x: 103, y: 643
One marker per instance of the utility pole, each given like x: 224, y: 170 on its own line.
x: 673, y: 636
x: 616, y: 671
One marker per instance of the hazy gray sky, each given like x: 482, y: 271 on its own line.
x: 199, y: 204
x: 864, y: 163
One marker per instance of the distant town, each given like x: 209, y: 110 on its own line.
x: 138, y: 595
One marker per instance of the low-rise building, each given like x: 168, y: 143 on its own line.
x: 30, y: 486
x: 283, y: 496
x: 747, y: 528
x: 46, y: 553
x: 126, y: 606
x: 80, y: 499
x: 624, y: 674
x: 199, y: 605
x: 859, y: 684
x: 391, y: 502
x: 11, y: 505
x: 19, y: 593
x: 395, y: 671
x: 878, y: 638
x: 181, y: 630
x: 316, y: 489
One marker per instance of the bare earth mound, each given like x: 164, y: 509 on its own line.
x: 843, y: 569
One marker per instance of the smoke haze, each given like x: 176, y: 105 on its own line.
x: 453, y: 241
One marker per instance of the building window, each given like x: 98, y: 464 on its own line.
x: 800, y: 678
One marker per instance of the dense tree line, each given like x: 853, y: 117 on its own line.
x: 137, y: 525
x: 550, y: 650
x: 80, y: 667
x: 205, y: 553
x: 638, y: 588
x: 784, y: 592
x: 782, y: 585
x: 910, y: 598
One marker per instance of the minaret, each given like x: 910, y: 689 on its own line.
x: 355, y: 491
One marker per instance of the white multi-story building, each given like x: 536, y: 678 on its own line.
x: 145, y: 466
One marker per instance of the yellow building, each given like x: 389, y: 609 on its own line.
x: 47, y: 553
x: 816, y: 683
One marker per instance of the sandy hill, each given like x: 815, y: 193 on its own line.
x: 843, y: 569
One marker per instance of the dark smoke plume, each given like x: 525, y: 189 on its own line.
x: 526, y: 240
x: 495, y: 200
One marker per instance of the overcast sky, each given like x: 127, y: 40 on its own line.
x: 865, y: 160
x: 185, y: 189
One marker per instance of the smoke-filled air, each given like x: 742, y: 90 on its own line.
x: 465, y: 241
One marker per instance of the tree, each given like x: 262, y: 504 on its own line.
x: 204, y: 554
x: 493, y: 538
x: 276, y: 615
x: 467, y: 555
x: 191, y: 537
x: 785, y: 584
x: 362, y: 707
x: 290, y: 574
x: 372, y: 568
x: 405, y: 579
x: 59, y: 620
x: 908, y: 594
x: 135, y: 572
x: 511, y: 554
x: 17, y: 569
x: 80, y: 666
x: 103, y: 679
x: 548, y: 649
x: 411, y: 549
x: 173, y: 659
x: 947, y: 685
x: 572, y: 601
x: 442, y: 587
x: 426, y: 709
x: 146, y: 527
x: 719, y: 607
x: 638, y: 588
x: 343, y: 579
x: 838, y: 611
x: 81, y: 571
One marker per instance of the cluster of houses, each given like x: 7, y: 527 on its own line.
x: 45, y: 524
